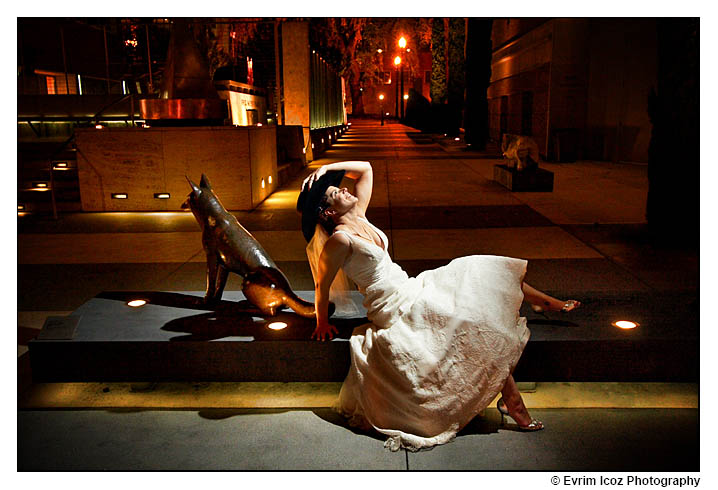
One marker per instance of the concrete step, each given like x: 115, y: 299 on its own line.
x: 174, y: 337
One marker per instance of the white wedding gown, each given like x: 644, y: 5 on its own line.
x: 439, y: 347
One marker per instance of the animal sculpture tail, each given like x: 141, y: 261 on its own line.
x: 269, y: 290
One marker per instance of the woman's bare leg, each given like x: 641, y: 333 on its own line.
x: 514, y: 403
x: 546, y: 302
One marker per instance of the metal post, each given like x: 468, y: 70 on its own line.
x: 52, y: 191
x: 401, y: 79
x: 149, y: 58
x: 107, y: 60
x: 396, y: 105
x: 277, y: 83
x: 64, y: 59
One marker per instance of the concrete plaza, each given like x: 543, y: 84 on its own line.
x: 436, y: 200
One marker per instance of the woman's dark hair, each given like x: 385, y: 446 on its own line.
x: 324, y: 220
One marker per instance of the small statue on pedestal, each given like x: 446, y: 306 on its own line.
x: 521, y: 151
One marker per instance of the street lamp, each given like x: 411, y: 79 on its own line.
x: 402, y: 45
x: 397, y: 62
x: 381, y: 102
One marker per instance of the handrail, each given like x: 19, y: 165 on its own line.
x: 122, y: 99
x: 52, y: 175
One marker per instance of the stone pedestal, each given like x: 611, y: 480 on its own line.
x: 535, y: 180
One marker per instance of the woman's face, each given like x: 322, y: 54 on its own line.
x: 340, y: 199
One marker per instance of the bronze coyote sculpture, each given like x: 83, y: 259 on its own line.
x: 231, y: 248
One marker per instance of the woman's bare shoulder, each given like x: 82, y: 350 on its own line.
x: 339, y: 240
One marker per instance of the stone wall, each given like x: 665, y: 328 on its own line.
x: 295, y: 59
x: 143, y: 162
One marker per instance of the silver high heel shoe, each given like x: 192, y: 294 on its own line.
x: 533, y: 426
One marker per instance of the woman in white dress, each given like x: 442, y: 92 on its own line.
x: 440, y: 346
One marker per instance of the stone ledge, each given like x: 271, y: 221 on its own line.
x: 177, y: 338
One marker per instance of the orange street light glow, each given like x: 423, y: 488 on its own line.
x: 402, y: 42
x: 381, y: 96
x: 406, y: 96
x: 397, y: 60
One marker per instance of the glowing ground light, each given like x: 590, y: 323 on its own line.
x: 625, y: 324
x: 136, y: 303
x: 262, y: 183
x: 277, y: 325
x: 269, y: 179
x: 40, y: 185
x: 457, y: 139
x: 162, y: 195
x: 98, y: 126
x: 118, y: 196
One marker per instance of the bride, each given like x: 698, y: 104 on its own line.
x: 440, y: 346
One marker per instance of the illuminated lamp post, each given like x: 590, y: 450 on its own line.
x: 402, y: 45
x: 397, y: 62
x: 381, y: 103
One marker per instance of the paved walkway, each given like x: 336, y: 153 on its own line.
x: 436, y: 201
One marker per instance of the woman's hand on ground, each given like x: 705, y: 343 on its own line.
x: 323, y: 330
x: 313, y: 177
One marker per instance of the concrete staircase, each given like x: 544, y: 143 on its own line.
x: 52, y: 165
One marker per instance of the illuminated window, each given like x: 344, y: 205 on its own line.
x: 51, y: 87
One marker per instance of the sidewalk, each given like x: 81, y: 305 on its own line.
x: 435, y: 202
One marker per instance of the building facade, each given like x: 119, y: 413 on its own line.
x: 578, y: 86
